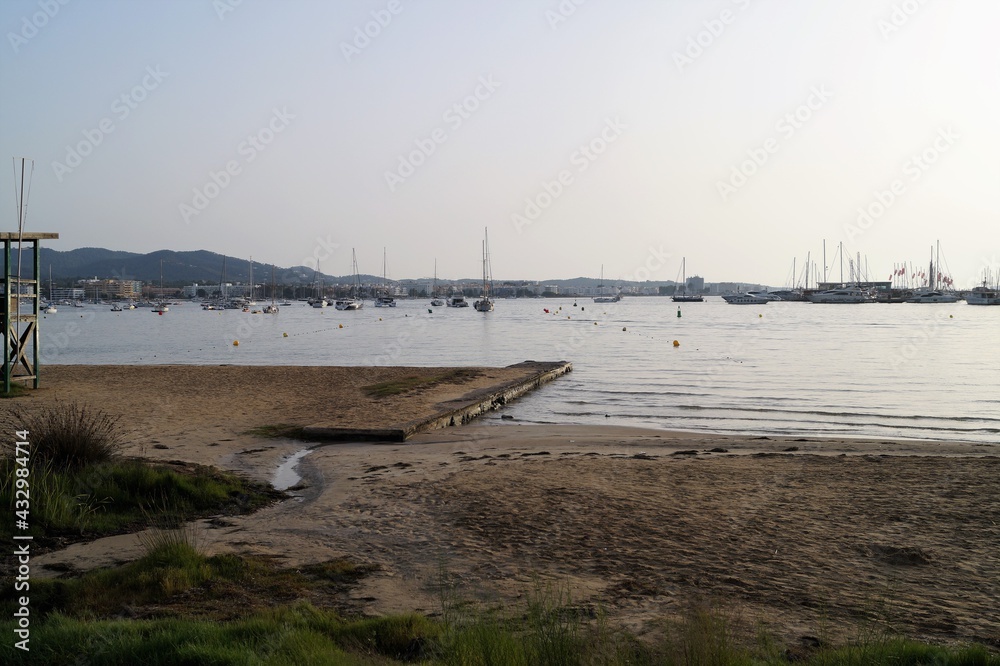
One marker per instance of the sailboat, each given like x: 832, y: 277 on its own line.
x: 250, y: 300
x: 384, y: 300
x: 485, y: 304
x: 353, y: 302
x: 50, y: 308
x: 272, y: 308
x: 317, y: 300
x: 435, y: 299
x: 605, y: 299
x: 932, y: 293
x: 681, y: 296
x: 161, y: 307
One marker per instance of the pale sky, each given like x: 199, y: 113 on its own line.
x: 628, y: 134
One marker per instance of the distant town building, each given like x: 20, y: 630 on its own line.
x: 225, y: 290
x: 695, y: 284
x: 64, y: 294
x: 111, y: 288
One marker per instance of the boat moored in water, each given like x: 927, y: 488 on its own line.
x: 485, y: 304
x: 842, y: 295
x: 744, y: 299
x: 933, y: 296
x: 983, y: 295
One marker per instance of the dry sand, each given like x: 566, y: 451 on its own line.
x: 640, y: 523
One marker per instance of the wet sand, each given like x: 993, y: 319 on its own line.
x: 804, y: 537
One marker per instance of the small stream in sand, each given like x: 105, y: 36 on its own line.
x: 285, y: 476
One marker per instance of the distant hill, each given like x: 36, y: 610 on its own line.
x: 204, y: 267
x: 179, y: 268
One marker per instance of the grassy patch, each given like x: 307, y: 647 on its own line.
x: 119, y: 496
x: 277, y: 430
x: 175, y: 579
x: 544, y: 631
x: 413, y: 382
x: 68, y: 435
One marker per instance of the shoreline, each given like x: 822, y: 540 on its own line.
x: 638, y: 522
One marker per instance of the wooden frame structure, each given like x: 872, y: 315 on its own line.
x: 17, y: 343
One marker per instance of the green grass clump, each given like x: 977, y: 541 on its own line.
x: 282, y: 638
x: 412, y: 382
x: 902, y: 652
x: 68, y: 435
x: 117, y: 496
x: 167, y: 571
x: 545, y: 633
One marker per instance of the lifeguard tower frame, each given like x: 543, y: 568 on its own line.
x: 17, y: 343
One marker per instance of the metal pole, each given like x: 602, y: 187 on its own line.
x: 37, y: 337
x: 6, y: 319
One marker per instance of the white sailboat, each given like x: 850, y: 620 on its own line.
x: 49, y: 308
x: 436, y: 300
x: 384, y: 300
x: 317, y: 301
x: 485, y: 304
x: 353, y: 302
x: 681, y: 295
x: 250, y: 299
x: 272, y: 308
x: 602, y: 298
x: 932, y: 293
x: 161, y: 307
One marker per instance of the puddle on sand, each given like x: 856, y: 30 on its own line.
x: 286, y: 477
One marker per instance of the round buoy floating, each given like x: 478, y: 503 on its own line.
x: 236, y: 343
x: 568, y: 317
x: 676, y: 343
x: 760, y: 316
x: 380, y: 318
x: 595, y: 323
x: 284, y: 335
x: 624, y: 328
x: 951, y: 316
x: 581, y: 309
x: 340, y: 326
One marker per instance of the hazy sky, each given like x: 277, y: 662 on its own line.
x: 737, y: 133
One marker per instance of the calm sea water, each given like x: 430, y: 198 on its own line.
x: 921, y: 371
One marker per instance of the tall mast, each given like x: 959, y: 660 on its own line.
x: 824, y: 260
x: 930, y: 269
x: 840, y: 251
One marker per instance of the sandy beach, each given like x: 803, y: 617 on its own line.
x: 803, y: 537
